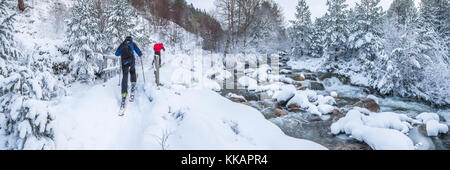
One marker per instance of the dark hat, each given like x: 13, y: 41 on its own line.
x: 129, y: 38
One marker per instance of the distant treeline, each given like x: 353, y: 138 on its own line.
x: 191, y: 19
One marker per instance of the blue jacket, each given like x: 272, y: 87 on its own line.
x: 133, y: 46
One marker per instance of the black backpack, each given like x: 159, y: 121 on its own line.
x: 127, y: 52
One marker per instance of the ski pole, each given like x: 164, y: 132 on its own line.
x: 143, y: 73
x: 120, y: 72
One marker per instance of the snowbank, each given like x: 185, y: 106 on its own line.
x: 212, y: 122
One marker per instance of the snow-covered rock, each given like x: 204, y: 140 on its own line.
x: 388, y: 120
x: 431, y: 120
x: 248, y: 82
x: 299, y: 100
x: 425, y: 117
x: 434, y: 128
x: 286, y: 93
x: 374, y: 98
x: 312, y: 95
x: 326, y: 109
x: 334, y: 94
x: 358, y: 127
x: 328, y: 100
x: 236, y: 98
x: 261, y: 73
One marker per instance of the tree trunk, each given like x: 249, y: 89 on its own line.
x: 21, y: 5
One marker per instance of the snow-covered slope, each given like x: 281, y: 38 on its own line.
x: 191, y: 117
x: 178, y: 118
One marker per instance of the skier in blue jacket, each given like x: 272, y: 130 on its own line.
x: 126, y: 52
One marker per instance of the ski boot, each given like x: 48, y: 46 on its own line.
x: 123, y: 107
x: 133, y: 90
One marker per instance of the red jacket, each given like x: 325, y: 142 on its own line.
x: 158, y: 47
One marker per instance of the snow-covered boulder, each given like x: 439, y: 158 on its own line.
x: 312, y: 95
x: 431, y: 120
x: 388, y: 120
x: 374, y: 98
x: 218, y: 74
x: 326, y: 109
x: 313, y: 109
x: 286, y: 94
x: 425, y: 117
x: 434, y: 128
x: 262, y: 73
x: 284, y: 71
x: 355, y: 125
x: 334, y: 94
x: 248, y: 82
x: 328, y: 100
x: 236, y: 98
x: 300, y: 100
x: 316, y: 86
x: 370, y: 104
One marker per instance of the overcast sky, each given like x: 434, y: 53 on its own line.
x: 317, y: 7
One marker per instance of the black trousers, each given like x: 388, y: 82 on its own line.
x: 128, y: 67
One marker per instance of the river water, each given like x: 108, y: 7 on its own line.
x: 306, y: 126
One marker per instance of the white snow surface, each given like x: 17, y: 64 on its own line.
x: 187, y: 117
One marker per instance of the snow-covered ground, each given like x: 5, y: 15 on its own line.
x: 178, y: 118
x: 187, y: 113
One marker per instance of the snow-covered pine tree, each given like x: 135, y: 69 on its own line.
x: 84, y: 41
x: 365, y: 40
x: 435, y: 13
x: 434, y: 86
x: 121, y: 22
x: 302, y: 30
x: 26, y: 84
x: 318, y: 32
x: 401, y: 70
x: 415, y: 51
x: 267, y: 32
x: 8, y: 50
x: 8, y: 54
x: 402, y: 9
x: 336, y: 33
x: 447, y: 27
x: 432, y: 36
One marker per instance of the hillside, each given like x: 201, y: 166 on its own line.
x: 187, y: 16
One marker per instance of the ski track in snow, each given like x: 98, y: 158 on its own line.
x: 88, y: 119
x: 93, y: 118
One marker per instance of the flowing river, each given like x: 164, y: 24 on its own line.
x: 303, y: 125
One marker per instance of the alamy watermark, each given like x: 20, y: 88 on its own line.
x: 227, y: 70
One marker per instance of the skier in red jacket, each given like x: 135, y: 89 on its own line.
x: 157, y: 48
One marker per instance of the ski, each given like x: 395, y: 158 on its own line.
x: 122, y: 110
